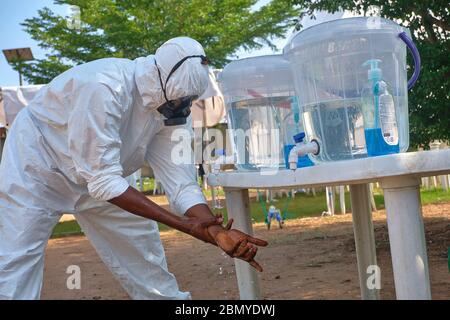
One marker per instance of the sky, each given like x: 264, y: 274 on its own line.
x: 13, y: 12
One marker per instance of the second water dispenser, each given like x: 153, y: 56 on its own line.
x: 263, y: 111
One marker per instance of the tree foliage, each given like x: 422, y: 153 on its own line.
x: 133, y: 28
x: 429, y: 23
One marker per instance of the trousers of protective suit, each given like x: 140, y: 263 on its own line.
x: 129, y: 245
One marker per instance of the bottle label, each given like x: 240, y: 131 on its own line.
x: 388, y: 120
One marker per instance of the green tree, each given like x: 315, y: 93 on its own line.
x: 133, y: 28
x: 429, y: 23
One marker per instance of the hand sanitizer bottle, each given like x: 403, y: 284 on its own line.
x: 380, y: 122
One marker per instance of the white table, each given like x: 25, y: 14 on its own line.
x: 399, y: 176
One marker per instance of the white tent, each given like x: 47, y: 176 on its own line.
x: 209, y: 109
x: 14, y: 99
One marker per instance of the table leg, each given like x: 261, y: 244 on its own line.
x: 213, y: 196
x: 342, y: 198
x: 330, y: 200
x: 2, y: 142
x: 407, y: 238
x: 238, y: 208
x: 444, y: 182
x: 372, y: 198
x: 364, y: 239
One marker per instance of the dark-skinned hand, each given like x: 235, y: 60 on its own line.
x: 198, y: 227
x: 238, y: 244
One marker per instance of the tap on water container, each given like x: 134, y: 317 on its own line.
x: 351, y: 81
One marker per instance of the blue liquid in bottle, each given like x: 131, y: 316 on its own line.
x: 380, y: 122
x: 376, y: 146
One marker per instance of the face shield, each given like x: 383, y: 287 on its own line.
x: 177, y: 111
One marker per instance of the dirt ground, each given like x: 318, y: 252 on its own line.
x: 311, y: 258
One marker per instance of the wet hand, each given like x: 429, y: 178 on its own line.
x: 238, y: 244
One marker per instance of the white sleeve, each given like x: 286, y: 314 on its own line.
x: 179, y: 180
x: 94, y: 141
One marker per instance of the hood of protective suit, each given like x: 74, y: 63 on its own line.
x: 191, y: 78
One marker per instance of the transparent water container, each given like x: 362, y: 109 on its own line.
x: 351, y: 81
x: 263, y: 112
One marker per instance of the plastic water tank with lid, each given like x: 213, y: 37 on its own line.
x: 263, y: 113
x: 351, y: 81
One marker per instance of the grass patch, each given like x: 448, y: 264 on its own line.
x: 66, y: 228
x: 434, y: 196
x: 301, y: 206
x: 147, y: 183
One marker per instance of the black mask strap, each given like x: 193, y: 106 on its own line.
x: 160, y: 81
x: 204, y: 61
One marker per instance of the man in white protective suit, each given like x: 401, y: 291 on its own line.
x: 68, y: 151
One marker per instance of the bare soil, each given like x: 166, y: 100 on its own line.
x: 312, y: 258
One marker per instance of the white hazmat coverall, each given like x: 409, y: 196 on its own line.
x: 68, y: 152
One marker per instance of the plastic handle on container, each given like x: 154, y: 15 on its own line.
x: 416, y: 56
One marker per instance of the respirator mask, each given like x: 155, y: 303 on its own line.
x: 177, y: 111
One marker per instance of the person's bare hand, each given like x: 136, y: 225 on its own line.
x: 238, y: 244
x: 198, y: 227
